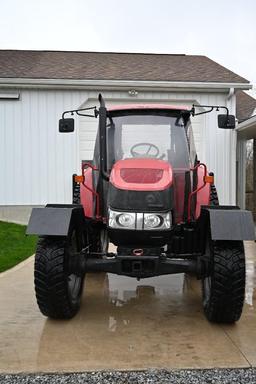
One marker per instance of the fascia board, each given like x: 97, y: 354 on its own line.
x: 120, y: 84
x: 246, y: 124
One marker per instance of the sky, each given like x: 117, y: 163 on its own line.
x: 223, y: 30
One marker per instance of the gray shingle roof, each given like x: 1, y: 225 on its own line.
x: 245, y: 105
x: 113, y: 66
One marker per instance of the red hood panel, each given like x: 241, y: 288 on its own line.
x: 141, y: 174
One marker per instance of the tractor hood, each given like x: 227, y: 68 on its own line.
x: 140, y: 188
x: 141, y: 174
x: 141, y: 185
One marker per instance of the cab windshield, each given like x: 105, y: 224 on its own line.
x: 145, y: 135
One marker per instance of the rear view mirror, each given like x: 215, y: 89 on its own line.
x: 66, y: 125
x: 226, y: 121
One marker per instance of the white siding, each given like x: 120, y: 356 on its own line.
x: 37, y: 162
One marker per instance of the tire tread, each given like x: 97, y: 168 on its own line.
x: 51, y: 280
x: 226, y: 299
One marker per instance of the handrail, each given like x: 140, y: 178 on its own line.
x: 96, y: 194
x: 197, y: 189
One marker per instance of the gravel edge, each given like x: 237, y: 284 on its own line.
x: 199, y: 376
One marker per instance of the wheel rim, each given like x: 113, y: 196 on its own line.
x: 74, y: 281
x: 104, y: 241
x: 207, y: 281
x: 74, y: 286
x: 207, y: 289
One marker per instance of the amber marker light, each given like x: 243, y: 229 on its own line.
x: 209, y: 179
x: 79, y: 178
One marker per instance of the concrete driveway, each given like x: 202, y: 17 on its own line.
x: 123, y: 324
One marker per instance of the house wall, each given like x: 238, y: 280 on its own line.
x: 246, y: 130
x: 37, y: 161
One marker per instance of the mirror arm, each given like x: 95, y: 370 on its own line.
x: 212, y: 107
x: 77, y: 111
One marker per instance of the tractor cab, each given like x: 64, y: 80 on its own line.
x: 150, y: 154
x: 158, y: 132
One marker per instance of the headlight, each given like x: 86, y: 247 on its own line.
x: 157, y: 221
x: 121, y: 219
x: 151, y: 221
x: 126, y: 219
x: 139, y: 221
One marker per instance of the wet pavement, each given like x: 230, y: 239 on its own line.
x: 123, y: 324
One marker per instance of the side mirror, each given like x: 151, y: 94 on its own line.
x: 226, y: 121
x: 66, y: 125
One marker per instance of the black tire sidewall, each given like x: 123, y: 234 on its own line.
x: 223, y: 302
x: 51, y: 279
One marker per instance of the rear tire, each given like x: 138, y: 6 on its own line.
x: 224, y: 288
x: 214, y: 199
x: 99, y: 241
x: 58, y: 293
x: 76, y: 194
x: 102, y: 241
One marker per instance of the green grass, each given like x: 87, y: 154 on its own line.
x: 15, y: 246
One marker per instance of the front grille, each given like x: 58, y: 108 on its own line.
x: 141, y: 175
x: 140, y: 201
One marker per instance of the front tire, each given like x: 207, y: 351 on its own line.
x: 224, y: 288
x: 58, y: 292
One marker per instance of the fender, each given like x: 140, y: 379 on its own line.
x: 228, y: 222
x: 55, y: 220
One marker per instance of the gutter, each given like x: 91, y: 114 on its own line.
x: 251, y: 121
x: 120, y: 84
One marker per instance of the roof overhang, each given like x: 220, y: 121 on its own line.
x: 121, y: 84
x: 247, y: 129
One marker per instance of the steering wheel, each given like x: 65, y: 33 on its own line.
x: 151, y: 148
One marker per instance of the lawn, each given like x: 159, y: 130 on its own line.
x: 15, y: 246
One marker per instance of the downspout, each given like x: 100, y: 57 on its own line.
x: 231, y: 93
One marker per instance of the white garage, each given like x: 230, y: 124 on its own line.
x: 37, y: 86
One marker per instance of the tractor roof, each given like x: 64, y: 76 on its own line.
x: 147, y: 106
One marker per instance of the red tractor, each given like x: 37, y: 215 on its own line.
x: 147, y: 193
